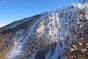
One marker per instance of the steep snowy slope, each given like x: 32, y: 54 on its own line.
x: 49, y: 35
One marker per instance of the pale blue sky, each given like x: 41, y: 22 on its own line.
x: 12, y: 10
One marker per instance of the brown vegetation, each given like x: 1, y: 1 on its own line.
x: 78, y: 48
x: 4, y: 49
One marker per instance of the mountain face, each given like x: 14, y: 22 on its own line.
x: 60, y: 33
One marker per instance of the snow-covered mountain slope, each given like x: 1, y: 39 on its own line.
x: 55, y: 34
x: 2, y: 25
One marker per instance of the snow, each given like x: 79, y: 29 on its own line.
x: 58, y: 22
x: 1, y: 25
x: 72, y: 49
x: 83, y: 49
x: 62, y: 21
x: 17, y: 50
x: 17, y: 47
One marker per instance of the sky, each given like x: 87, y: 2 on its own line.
x: 13, y: 10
